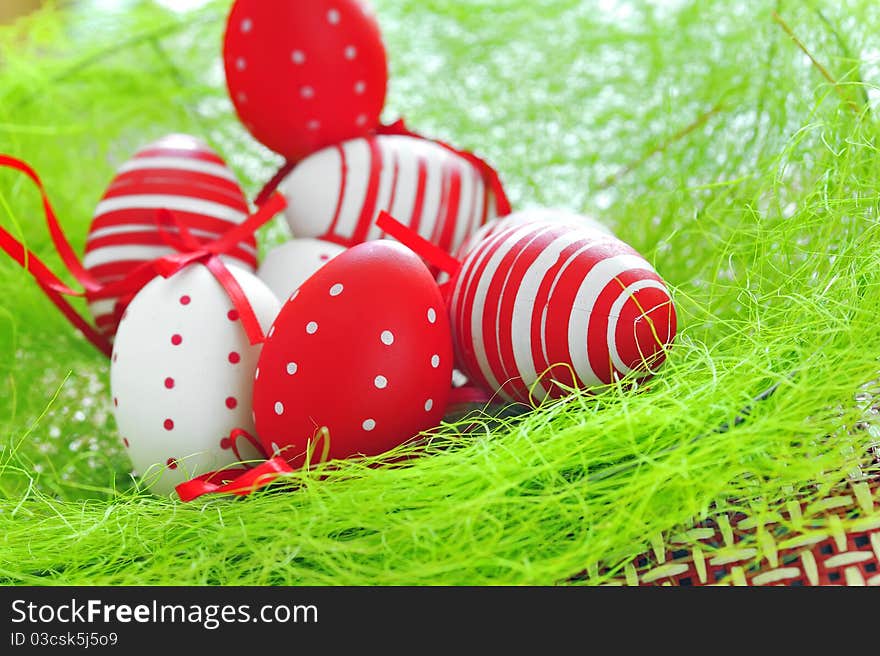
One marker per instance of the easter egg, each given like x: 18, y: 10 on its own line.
x: 286, y: 267
x: 538, y: 308
x: 304, y: 75
x: 358, y: 361
x: 182, y: 372
x: 547, y: 214
x: 179, y: 173
x: 337, y: 193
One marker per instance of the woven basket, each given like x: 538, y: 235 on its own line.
x: 830, y: 541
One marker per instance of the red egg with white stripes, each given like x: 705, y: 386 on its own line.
x: 182, y: 374
x: 337, y: 193
x: 304, y: 75
x: 540, y: 308
x: 179, y: 173
x: 358, y: 361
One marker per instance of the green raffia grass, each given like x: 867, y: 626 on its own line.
x: 699, y: 131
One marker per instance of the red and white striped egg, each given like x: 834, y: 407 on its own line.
x: 337, y: 193
x: 289, y: 265
x: 547, y: 214
x: 179, y: 173
x: 182, y: 372
x: 305, y: 74
x: 540, y: 308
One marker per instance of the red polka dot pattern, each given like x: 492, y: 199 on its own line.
x: 364, y: 377
x: 304, y: 75
x: 177, y: 393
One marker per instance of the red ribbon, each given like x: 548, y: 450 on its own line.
x: 467, y: 394
x: 53, y: 288
x: 239, y: 481
x: 399, y: 128
x: 425, y: 249
x: 63, y: 247
x: 51, y: 285
x: 436, y: 256
x: 190, y: 251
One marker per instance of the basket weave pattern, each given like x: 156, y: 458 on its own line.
x: 831, y: 541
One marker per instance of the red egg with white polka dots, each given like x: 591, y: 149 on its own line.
x: 304, y: 75
x: 182, y: 373
x: 358, y: 361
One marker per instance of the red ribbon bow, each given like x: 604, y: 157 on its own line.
x: 190, y: 251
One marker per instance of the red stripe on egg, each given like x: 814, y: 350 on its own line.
x: 178, y: 173
x: 179, y: 183
x: 197, y: 153
x: 415, y: 220
x: 504, y: 277
x: 545, y: 294
x: 449, y: 215
x: 471, y: 313
x: 140, y: 218
x: 470, y: 212
x: 600, y: 342
x: 368, y: 207
x: 528, y: 257
x: 343, y: 177
x: 395, y: 174
x: 246, y: 258
x: 465, y: 292
x: 422, y: 184
x: 556, y: 340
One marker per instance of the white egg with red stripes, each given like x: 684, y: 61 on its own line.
x: 182, y: 373
x: 544, y: 307
x: 179, y: 173
x: 336, y: 193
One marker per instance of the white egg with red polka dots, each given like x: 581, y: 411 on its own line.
x: 182, y: 374
x: 289, y: 265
